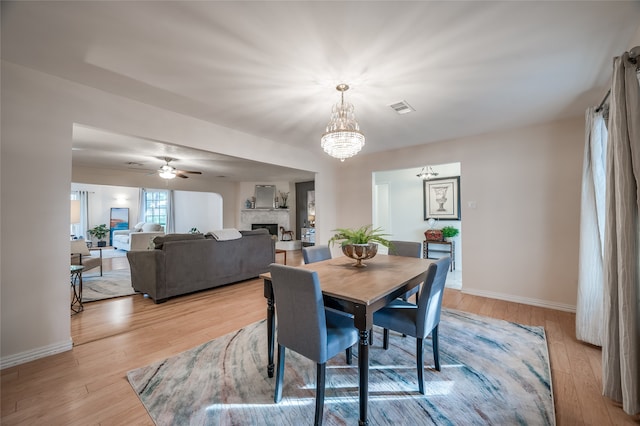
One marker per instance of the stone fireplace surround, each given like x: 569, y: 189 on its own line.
x: 281, y: 217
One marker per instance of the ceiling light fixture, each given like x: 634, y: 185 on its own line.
x: 167, y: 172
x: 427, y: 173
x: 342, y: 138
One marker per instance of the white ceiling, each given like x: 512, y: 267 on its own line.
x: 270, y: 68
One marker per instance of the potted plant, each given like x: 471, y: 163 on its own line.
x: 449, y: 232
x: 361, y: 243
x: 100, y: 232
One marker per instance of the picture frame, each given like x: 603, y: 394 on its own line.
x: 119, y: 219
x: 442, y: 198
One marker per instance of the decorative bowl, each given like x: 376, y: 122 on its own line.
x: 360, y: 252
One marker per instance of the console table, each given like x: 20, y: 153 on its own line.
x: 450, y: 247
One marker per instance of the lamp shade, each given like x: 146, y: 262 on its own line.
x: 75, y: 211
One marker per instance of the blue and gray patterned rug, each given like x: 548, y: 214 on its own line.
x: 493, y: 372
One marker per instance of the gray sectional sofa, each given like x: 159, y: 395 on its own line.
x: 185, y: 263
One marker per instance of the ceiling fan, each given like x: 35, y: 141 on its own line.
x: 167, y: 171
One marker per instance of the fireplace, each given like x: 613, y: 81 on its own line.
x: 271, y: 227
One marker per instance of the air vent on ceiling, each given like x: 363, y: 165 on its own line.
x: 402, y: 107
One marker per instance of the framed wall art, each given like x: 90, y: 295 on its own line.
x: 442, y: 198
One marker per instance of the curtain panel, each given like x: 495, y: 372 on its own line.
x: 589, y: 308
x: 621, y: 337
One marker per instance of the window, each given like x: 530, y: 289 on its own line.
x: 156, y: 207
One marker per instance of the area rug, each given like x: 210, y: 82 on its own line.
x: 114, y: 283
x: 111, y: 253
x: 493, y: 372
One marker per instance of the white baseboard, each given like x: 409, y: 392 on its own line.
x: 523, y: 300
x: 23, y: 357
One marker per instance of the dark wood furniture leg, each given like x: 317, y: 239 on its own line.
x: 271, y: 325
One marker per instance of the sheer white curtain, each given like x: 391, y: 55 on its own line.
x: 171, y: 213
x: 141, y: 205
x: 83, y: 196
x: 621, y: 337
x: 80, y: 229
x: 589, y: 315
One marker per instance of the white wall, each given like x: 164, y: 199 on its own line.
x: 103, y: 197
x: 520, y: 242
x: 38, y: 113
x: 201, y: 210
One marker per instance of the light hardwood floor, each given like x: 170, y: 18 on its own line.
x: 88, y: 385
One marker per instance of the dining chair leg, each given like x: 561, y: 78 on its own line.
x: 420, y: 364
x: 279, y: 374
x: 320, y: 375
x: 385, y: 339
x: 436, y: 349
x: 349, y: 354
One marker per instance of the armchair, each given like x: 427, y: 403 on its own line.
x: 80, y: 255
x: 137, y: 238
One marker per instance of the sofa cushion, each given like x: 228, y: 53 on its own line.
x: 255, y: 232
x: 160, y: 240
x: 151, y: 227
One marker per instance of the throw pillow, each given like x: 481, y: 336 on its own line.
x: 138, y: 226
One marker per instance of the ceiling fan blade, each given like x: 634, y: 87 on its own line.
x: 180, y: 175
x: 190, y: 171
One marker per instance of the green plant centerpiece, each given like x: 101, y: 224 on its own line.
x: 360, y: 244
x: 450, y: 232
x: 100, y: 232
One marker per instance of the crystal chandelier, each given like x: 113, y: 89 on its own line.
x: 427, y: 173
x: 342, y: 138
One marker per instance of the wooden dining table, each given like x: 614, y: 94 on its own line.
x: 358, y: 291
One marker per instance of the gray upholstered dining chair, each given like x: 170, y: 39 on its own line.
x: 418, y: 320
x: 305, y: 327
x: 314, y: 254
x: 407, y: 249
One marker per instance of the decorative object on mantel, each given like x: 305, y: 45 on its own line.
x: 100, y: 232
x: 194, y: 230
x: 286, y: 233
x: 427, y: 173
x: 449, y: 232
x: 360, y: 244
x: 284, y: 196
x: 342, y: 138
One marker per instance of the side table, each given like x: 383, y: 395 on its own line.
x: 451, y: 250
x: 76, y: 285
x: 278, y: 251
